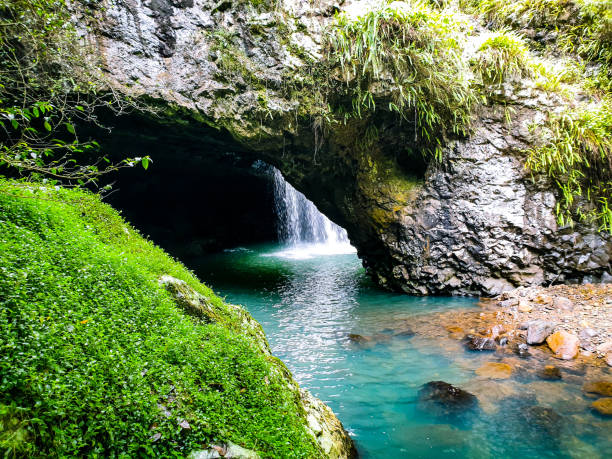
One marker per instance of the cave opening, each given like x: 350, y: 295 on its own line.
x: 200, y: 194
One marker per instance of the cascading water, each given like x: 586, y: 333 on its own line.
x: 302, y: 227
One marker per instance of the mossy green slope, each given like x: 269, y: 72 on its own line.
x: 97, y: 359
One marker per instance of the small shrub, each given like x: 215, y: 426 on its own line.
x: 503, y: 57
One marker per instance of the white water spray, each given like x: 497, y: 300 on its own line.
x: 305, y: 230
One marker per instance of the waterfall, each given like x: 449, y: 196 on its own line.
x: 301, y: 225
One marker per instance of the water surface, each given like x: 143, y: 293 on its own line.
x: 309, y: 301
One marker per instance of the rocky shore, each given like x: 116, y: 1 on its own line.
x: 570, y: 320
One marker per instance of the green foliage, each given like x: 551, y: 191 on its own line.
x: 49, y: 82
x: 503, y: 57
x: 578, y: 157
x: 96, y: 359
x: 412, y: 52
x: 584, y: 26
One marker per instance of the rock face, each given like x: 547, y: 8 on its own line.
x: 473, y: 224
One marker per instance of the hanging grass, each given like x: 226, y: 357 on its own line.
x: 411, y: 54
x: 503, y: 57
x: 578, y: 157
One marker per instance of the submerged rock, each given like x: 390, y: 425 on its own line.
x: 545, y: 419
x: 495, y: 370
x: 563, y: 344
x: 550, y: 372
x: 598, y: 388
x: 443, y: 399
x: 603, y: 406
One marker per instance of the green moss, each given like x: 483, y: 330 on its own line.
x: 96, y: 357
x: 577, y: 155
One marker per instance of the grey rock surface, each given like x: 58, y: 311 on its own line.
x: 476, y: 223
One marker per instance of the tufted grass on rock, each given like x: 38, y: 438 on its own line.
x: 412, y: 53
x: 503, y: 57
x: 96, y: 359
x: 578, y: 157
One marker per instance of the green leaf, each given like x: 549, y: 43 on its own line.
x: 80, y: 108
x: 145, y: 163
x: 15, y: 124
x: 36, y: 112
x: 70, y: 128
x: 47, y: 126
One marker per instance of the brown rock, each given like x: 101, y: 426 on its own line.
x: 563, y: 344
x: 495, y: 370
x: 550, y: 372
x: 525, y: 307
x: 598, y: 387
x: 603, y: 406
x: 609, y: 358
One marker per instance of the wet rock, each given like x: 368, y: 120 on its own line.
x: 550, y: 373
x: 563, y: 303
x: 359, y: 339
x: 544, y: 419
x: 538, y: 330
x: 598, y: 388
x: 522, y: 350
x: 405, y: 333
x: 480, y: 343
x: 443, y: 399
x: 563, y: 344
x: 494, y: 370
x: 603, y: 406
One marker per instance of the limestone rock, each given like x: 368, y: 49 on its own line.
x: 563, y: 344
x: 538, y: 330
x: 603, y: 406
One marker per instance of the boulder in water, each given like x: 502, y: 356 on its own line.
x: 443, y: 399
x: 495, y: 370
x: 544, y: 419
x: 550, y: 373
x: 598, y: 388
x: 603, y: 406
x: 480, y: 343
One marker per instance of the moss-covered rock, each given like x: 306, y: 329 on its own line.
x: 110, y: 347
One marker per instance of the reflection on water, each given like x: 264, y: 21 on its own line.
x: 308, y: 306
